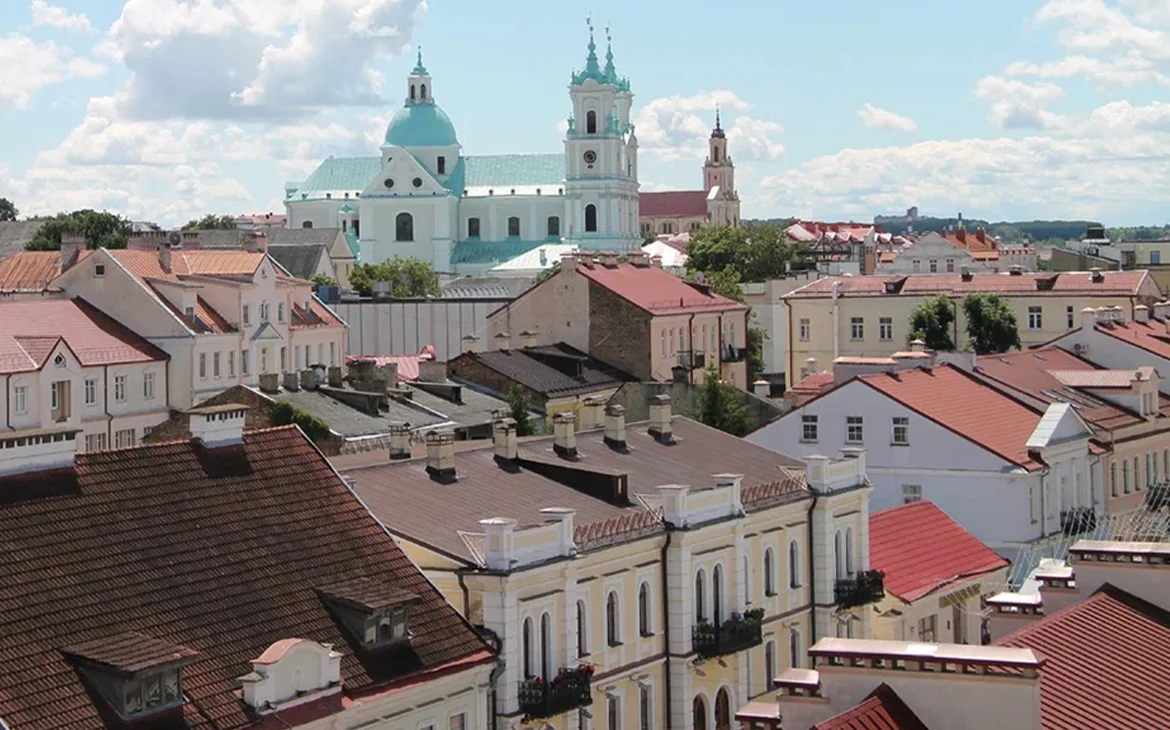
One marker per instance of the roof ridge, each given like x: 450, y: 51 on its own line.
x: 1106, y: 591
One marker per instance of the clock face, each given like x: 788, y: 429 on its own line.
x: 590, y: 156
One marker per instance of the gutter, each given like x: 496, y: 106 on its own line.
x: 666, y: 624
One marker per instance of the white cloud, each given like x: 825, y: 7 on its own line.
x: 876, y: 118
x: 676, y: 128
x: 1018, y: 104
x: 30, y: 66
x: 53, y: 16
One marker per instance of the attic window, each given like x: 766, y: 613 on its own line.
x: 375, y: 614
x: 99, y: 271
x: 136, y: 675
x: 59, y: 361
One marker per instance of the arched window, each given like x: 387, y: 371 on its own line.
x: 612, y: 634
x: 422, y: 92
x: 849, y: 551
x: 769, y: 664
x: 793, y: 564
x: 404, y: 227
x: 699, y: 714
x: 747, y: 581
x: 700, y: 600
x: 526, y: 647
x: 590, y: 218
x: 1137, y: 478
x: 513, y: 226
x: 591, y: 122
x: 582, y: 636
x: 412, y: 92
x: 769, y: 577
x: 717, y: 594
x: 473, y: 227
x: 722, y: 710
x: 554, y: 225
x: 715, y: 155
x: 644, y: 610
x: 838, y: 556
x: 307, y: 224
x: 545, y: 647
x: 794, y: 658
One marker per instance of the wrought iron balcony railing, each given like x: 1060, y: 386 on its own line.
x: 867, y: 586
x: 739, y: 632
x: 568, y: 690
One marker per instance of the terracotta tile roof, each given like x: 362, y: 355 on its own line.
x: 810, y: 231
x: 208, y: 320
x: 922, y: 550
x: 219, y: 552
x: 655, y: 290
x: 1115, y: 283
x: 184, y: 262
x: 317, y: 315
x: 883, y: 709
x: 29, y: 271
x: 551, y: 370
x: 813, y: 383
x: 35, y: 325
x: 673, y: 204
x: 1152, y: 336
x: 1105, y: 663
x: 966, y: 406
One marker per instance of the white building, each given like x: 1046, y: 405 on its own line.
x: 423, y: 198
x: 1005, y: 471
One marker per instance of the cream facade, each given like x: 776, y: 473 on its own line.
x: 953, y: 615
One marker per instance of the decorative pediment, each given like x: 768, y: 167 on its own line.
x: 404, y: 177
x: 291, y: 671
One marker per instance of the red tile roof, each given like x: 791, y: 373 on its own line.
x: 317, y: 315
x: 29, y: 271
x: 883, y: 709
x: 655, y: 290
x: 963, y: 404
x: 817, y: 231
x: 1105, y: 663
x: 1069, y: 283
x: 184, y: 262
x: 35, y: 325
x: 673, y: 204
x: 1152, y: 336
x: 813, y: 383
x: 219, y: 552
x: 921, y: 549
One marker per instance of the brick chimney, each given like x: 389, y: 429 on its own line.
x: 399, y: 440
x: 72, y: 244
x: 660, y: 418
x: 615, y: 426
x: 565, y: 435
x: 961, y: 234
x: 441, y: 455
x: 504, y: 439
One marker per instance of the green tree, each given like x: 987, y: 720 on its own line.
x: 100, y: 228
x: 724, y: 282
x: 408, y: 278
x: 520, y: 407
x: 758, y: 251
x: 991, y: 324
x: 721, y: 405
x: 285, y: 413
x: 756, y: 337
x: 211, y: 222
x: 8, y: 211
x: 931, y: 322
x: 323, y: 280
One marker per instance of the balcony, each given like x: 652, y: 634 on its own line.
x: 734, y: 354
x: 1078, y: 520
x: 739, y: 632
x: 540, y: 698
x: 692, y: 359
x: 867, y: 586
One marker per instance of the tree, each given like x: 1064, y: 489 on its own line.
x: 755, y: 352
x: 721, y: 405
x: 758, y: 251
x: 520, y: 405
x: 323, y: 280
x: 931, y: 322
x: 991, y: 324
x: 100, y: 228
x: 8, y: 211
x: 408, y: 278
x: 211, y: 222
x: 316, y: 429
x: 547, y: 274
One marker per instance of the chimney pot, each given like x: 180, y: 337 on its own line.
x: 565, y: 435
x: 504, y: 439
x: 593, y: 412
x: 917, y: 346
x: 441, y: 455
x: 1096, y: 275
x: 399, y: 440
x: 660, y: 427
x: 334, y: 375
x: 615, y: 426
x: 762, y: 388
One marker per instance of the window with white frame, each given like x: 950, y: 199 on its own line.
x: 950, y: 266
x: 645, y: 620
x: 20, y: 400
x: 934, y: 266
x: 808, y: 429
x: 645, y: 708
x: 886, y: 328
x: 854, y: 430
x: 911, y: 493
x: 661, y: 337
x: 769, y: 665
x: 1035, y: 318
x: 769, y: 573
x: 264, y: 310
x: 55, y: 396
x: 99, y: 271
x: 857, y: 328
x: 457, y: 722
x: 613, y: 713
x: 582, y: 630
x: 247, y: 314
x: 283, y: 359
x: 805, y: 330
x: 613, y: 620
x: 320, y: 354
x: 231, y: 363
x: 793, y: 564
x: 263, y: 360
x: 927, y: 628
x: 215, y: 364
x: 124, y: 438
x: 95, y: 442
x: 332, y: 353
x: 280, y: 311
x: 203, y: 365
x: 91, y: 391
x: 795, y: 650
x: 119, y: 388
x: 148, y: 386
x: 243, y: 362
x: 901, y: 426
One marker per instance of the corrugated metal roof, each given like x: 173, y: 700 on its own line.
x: 883, y: 709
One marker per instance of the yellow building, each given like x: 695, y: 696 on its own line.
x: 869, y: 316
x: 625, y: 584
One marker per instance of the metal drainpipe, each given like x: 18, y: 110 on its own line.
x: 106, y: 407
x: 666, y: 622
x: 691, y: 364
x: 788, y: 345
x: 7, y: 413
x: 812, y: 576
x: 836, y: 320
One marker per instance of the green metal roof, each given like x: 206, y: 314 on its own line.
x: 514, y: 170
x: 421, y: 124
x: 490, y: 252
x: 336, y: 174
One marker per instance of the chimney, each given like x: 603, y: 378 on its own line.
x: 565, y: 435
x: 961, y: 234
x: 504, y: 439
x: 217, y: 426
x: 269, y: 383
x: 608, y: 259
x: 499, y: 540
x: 528, y: 338
x: 292, y: 382
x: 333, y: 374
x: 1088, y: 318
x: 1141, y: 313
x: 39, y: 451
x: 1104, y: 315
x: 917, y: 346
x: 656, y: 261
x: 980, y: 235
x: 660, y: 418
x: 256, y: 242
x: 72, y: 244
x: 503, y: 341
x: 762, y: 388
x: 1161, y: 310
x: 308, y: 379
x: 593, y: 412
x: 615, y: 426
x: 164, y: 257
x: 441, y: 455
x: 1118, y: 314
x: 1096, y: 275
x: 431, y: 371
x: 641, y: 259
x: 399, y: 440
x: 965, y: 273
x: 569, y: 262
x: 562, y: 516
x: 811, y: 365
x: 470, y: 343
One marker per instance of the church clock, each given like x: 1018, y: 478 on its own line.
x: 590, y: 157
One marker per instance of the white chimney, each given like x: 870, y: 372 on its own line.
x: 593, y: 412
x: 504, y: 439
x: 1088, y: 318
x: 399, y: 440
x: 470, y: 343
x: 660, y: 417
x: 615, y: 426
x: 1141, y: 313
x: 499, y: 539
x: 37, y: 452
x: 217, y: 426
x: 528, y: 338
x: 565, y: 538
x: 1118, y: 314
x: 762, y: 388
x: 1161, y: 309
x: 503, y: 341
x: 811, y: 365
x: 565, y: 435
x: 1104, y: 316
x: 441, y: 455
x: 917, y: 346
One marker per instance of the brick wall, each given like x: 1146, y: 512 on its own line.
x: 473, y: 371
x: 619, y: 333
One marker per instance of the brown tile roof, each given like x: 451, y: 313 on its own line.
x: 317, y: 315
x: 813, y: 383
x: 1069, y: 283
x: 1105, y: 663
x: 33, y: 326
x: 883, y: 709
x: 921, y: 549
x: 655, y: 290
x: 673, y: 204
x: 220, y: 553
x: 1152, y: 336
x: 130, y: 652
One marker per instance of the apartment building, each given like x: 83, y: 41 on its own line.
x: 634, y: 316
x: 869, y: 316
x: 1010, y: 473
x: 67, y: 365
x: 622, y: 580
x: 1109, y: 338
x: 227, y: 581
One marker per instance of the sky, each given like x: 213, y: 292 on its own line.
x: 164, y: 110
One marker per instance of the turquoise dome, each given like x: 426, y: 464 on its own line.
x: 421, y: 125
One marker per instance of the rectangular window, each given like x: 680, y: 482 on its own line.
x: 473, y: 227
x: 308, y: 356
x: 99, y: 271
x: 148, y: 386
x: 124, y: 438
x: 95, y: 442
x: 1035, y: 318
x: 662, y: 338
x: 886, y: 328
x: 911, y: 493
x: 950, y: 266
x: 280, y: 311
x: 1155, y: 257
x: 90, y: 392
x: 119, y: 388
x: 457, y: 722
x: 283, y: 359
x: 917, y: 264
x: 805, y: 330
x: 854, y: 431
x: 263, y: 360
x: 20, y: 400
x: 320, y: 354
x: 231, y: 363
x: 332, y: 353
x: 808, y: 429
x: 1069, y: 315
x: 857, y: 328
x: 55, y: 396
x: 901, y: 431
x: 646, y: 709
x: 243, y: 362
x: 513, y: 227
x: 934, y: 266
x: 264, y: 311
x: 215, y: 364
x: 203, y: 365
x: 441, y: 165
x: 672, y: 341
x: 926, y: 628
x: 247, y: 314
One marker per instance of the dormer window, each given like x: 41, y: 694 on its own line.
x: 375, y: 614
x: 135, y: 674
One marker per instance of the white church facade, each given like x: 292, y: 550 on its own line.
x: 423, y: 198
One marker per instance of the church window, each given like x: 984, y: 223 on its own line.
x: 473, y: 227
x: 441, y: 165
x: 412, y: 92
x: 404, y: 227
x: 422, y: 92
x: 357, y: 231
x: 715, y: 154
x: 513, y: 227
x: 307, y: 224
x: 554, y: 225
x: 591, y: 122
x: 591, y: 218
x: 417, y: 182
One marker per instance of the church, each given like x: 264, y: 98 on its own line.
x: 423, y: 198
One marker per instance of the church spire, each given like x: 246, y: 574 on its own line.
x: 717, y: 133
x: 419, y: 68
x: 592, y: 68
x: 610, y: 71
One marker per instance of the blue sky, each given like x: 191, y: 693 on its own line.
x: 165, y: 109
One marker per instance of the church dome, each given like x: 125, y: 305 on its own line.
x: 421, y: 125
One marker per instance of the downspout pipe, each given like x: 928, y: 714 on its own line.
x: 666, y: 623
x: 836, y: 319
x: 812, y: 574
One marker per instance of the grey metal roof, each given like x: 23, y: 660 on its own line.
x: 14, y: 235
x: 300, y: 260
x: 351, y: 422
x: 486, y: 287
x: 552, y: 370
x: 474, y: 409
x: 278, y: 236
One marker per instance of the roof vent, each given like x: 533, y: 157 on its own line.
x: 660, y: 419
x: 217, y: 426
x: 615, y: 426
x: 399, y: 440
x: 1096, y: 275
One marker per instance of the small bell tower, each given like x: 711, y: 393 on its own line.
x: 419, y: 85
